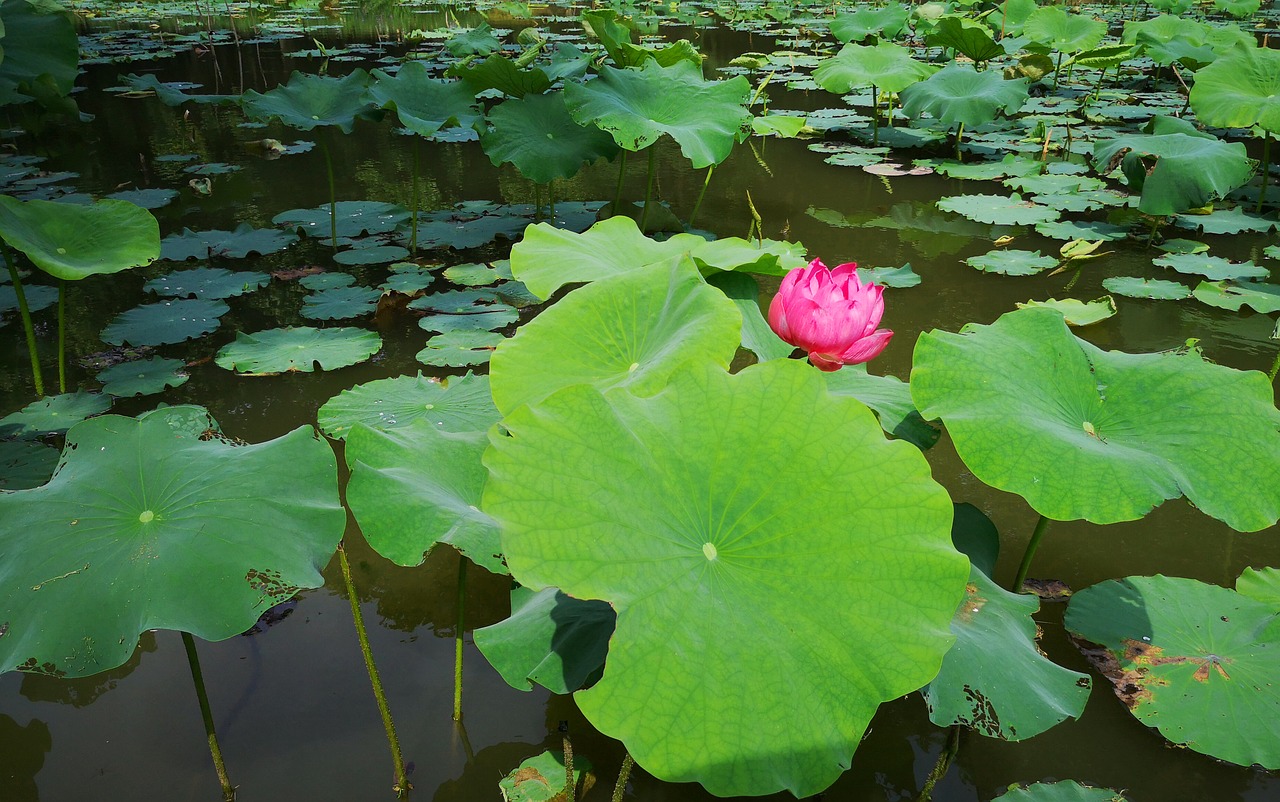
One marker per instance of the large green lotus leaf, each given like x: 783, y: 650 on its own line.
x: 53, y: 414
x: 266, y: 353
x: 71, y: 241
x: 1195, y: 661
x: 638, y: 106
x: 547, y: 257
x: 1177, y: 170
x: 693, y: 512
x: 1240, y: 90
x: 1264, y: 298
x: 237, y: 244
x: 1101, y: 435
x: 417, y: 485
x: 308, y: 101
x: 766, y: 256
x: 424, y: 104
x: 756, y: 335
x: 25, y: 464
x: 552, y: 639
x: 37, y: 43
x: 1214, y: 268
x: 888, y: 67
x: 148, y: 525
x: 1066, y: 31
x: 889, y: 397
x: 972, y: 39
x: 632, y: 330
x: 995, y: 680
x: 1261, y: 584
x: 456, y: 404
x: 886, y: 22
x: 165, y: 322
x: 207, y: 282
x: 1158, y: 289
x: 501, y: 73
x: 1061, y: 791
x: 616, y: 39
x: 960, y: 94
x: 1226, y: 221
x: 537, y: 135
x: 478, y: 41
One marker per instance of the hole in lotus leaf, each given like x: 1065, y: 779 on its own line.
x: 32, y: 666
x: 984, y: 718
x: 270, y: 584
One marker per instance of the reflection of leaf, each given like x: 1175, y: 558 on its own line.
x: 1183, y: 655
x: 681, y: 511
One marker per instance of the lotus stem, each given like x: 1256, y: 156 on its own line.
x: 1057, y: 71
x: 698, y: 205
x: 193, y: 660
x: 569, y: 784
x: 622, y: 172
x: 1042, y: 526
x: 413, y: 237
x: 648, y: 189
x: 1155, y: 226
x: 888, y: 111
x: 875, y: 115
x: 333, y: 194
x: 623, y: 774
x: 1266, y: 169
x: 25, y: 312
x: 1275, y: 368
x: 757, y: 223
x: 551, y: 199
x: 62, y: 335
x: 402, y: 785
x: 959, y: 138
x: 458, y: 640
x: 945, y: 760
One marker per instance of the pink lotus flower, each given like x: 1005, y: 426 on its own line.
x: 831, y: 314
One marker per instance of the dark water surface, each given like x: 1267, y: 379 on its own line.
x: 292, y: 704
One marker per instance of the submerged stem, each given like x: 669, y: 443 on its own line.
x: 193, y: 660
x: 623, y: 774
x: 413, y: 238
x: 333, y: 193
x: 402, y: 785
x: 698, y: 205
x: 875, y: 116
x: 62, y: 335
x: 1042, y: 526
x: 551, y: 199
x: 940, y: 768
x: 458, y: 638
x: 959, y: 138
x: 1266, y: 168
x: 25, y: 313
x: 622, y: 173
x: 648, y: 189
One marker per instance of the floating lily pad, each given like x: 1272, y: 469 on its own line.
x: 38, y: 297
x: 1227, y: 221
x: 415, y: 485
x: 1105, y: 435
x: 501, y: 317
x: 146, y: 525
x: 226, y: 244
x: 1071, y: 230
x: 632, y: 331
x: 896, y: 277
x: 1195, y: 661
x: 1000, y: 210
x: 71, y: 241
x: 301, y: 349
x: 354, y: 218
x: 371, y: 255
x: 1061, y: 791
x: 1183, y: 246
x: 214, y: 283
x: 53, y: 414
x: 460, y: 302
x: 1011, y: 262
x: 407, y: 280
x: 889, y: 397
x: 458, y: 404
x: 1264, y: 298
x: 143, y: 377
x: 460, y: 348
x: 1214, y: 268
x: 476, y: 275
x: 1158, y: 289
x: 552, y: 639
x: 146, y: 198
x: 693, y: 520
x: 165, y: 322
x: 545, y: 778
x: 26, y: 463
x: 1077, y: 312
x: 341, y: 303
x: 320, y: 282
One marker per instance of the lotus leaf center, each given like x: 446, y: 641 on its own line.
x: 146, y: 516
x: 634, y: 367
x: 709, y: 550
x: 430, y: 406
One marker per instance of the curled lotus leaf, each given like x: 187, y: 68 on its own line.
x: 308, y: 101
x: 960, y: 94
x: 537, y: 135
x: 692, y: 512
x: 424, y: 104
x: 71, y: 241
x: 887, y: 67
x: 1240, y: 90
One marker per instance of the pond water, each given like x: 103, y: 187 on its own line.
x: 291, y: 702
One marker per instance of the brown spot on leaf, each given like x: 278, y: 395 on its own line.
x: 1127, y: 683
x: 973, y: 603
x: 296, y: 273
x: 1049, y: 590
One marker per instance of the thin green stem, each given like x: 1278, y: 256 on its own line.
x: 1266, y: 168
x: 940, y: 768
x: 333, y: 193
x: 698, y: 205
x: 551, y: 199
x: 1155, y: 227
x: 1275, y: 368
x: 25, y: 312
x: 413, y: 238
x: 875, y: 115
x: 622, y: 173
x: 648, y: 189
x: 402, y: 785
x: 62, y: 335
x: 1074, y: 278
x: 623, y: 774
x: 193, y: 660
x: 1042, y: 526
x: 458, y: 642
x: 1057, y: 70
x: 959, y: 138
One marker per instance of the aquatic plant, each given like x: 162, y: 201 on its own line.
x: 831, y: 314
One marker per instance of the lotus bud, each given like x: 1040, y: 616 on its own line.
x: 831, y: 314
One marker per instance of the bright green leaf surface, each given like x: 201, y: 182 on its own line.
x: 756, y: 335
x: 889, y: 397
x: 71, y: 241
x: 459, y: 348
x: 165, y: 322
x: 1134, y: 287
x: 1077, y: 312
x: 1011, y: 262
x: 1264, y: 298
x: 1261, y: 584
x: 692, y: 512
x: 887, y: 67
x: 215, y: 283
x: 544, y: 778
x: 1001, y: 210
x: 1240, y: 90
x: 458, y: 404
x: 537, y: 135
x: 1214, y: 268
x: 265, y: 353
x: 1059, y: 29
x: 1061, y: 791
x: 1101, y: 435
x: 960, y: 94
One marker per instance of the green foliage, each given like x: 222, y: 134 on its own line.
x: 1058, y: 29
x: 458, y: 404
x: 1240, y: 90
x: 142, y: 377
x: 1061, y: 791
x: 887, y: 22
x: 70, y: 241
x: 967, y: 37
x: 165, y: 322
x: 301, y: 349
x: 552, y: 639
x: 537, y: 135
x: 53, y: 414
x: 888, y: 67
x: 40, y: 56
x: 425, y: 105
x: 960, y: 94
x: 308, y: 101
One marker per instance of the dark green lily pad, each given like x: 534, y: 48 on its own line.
x: 308, y: 101
x: 146, y: 198
x: 501, y: 317
x: 1105, y: 435
x: 226, y: 244
x: 895, y: 277
x: 371, y: 255
x: 460, y: 302
x: 26, y: 463
x: 537, y: 135
x: 165, y: 322
x: 1092, y: 231
x: 552, y: 639
x: 756, y: 335
x: 457, y: 404
x: 460, y: 348
x: 1227, y: 221
x: 146, y: 525
x: 320, y: 282
x: 1214, y: 268
x: 890, y: 398
x: 1011, y: 262
x: 214, y: 283
x: 142, y: 377
x: 1158, y: 289
x: 53, y: 414
x: 1195, y: 661
x: 38, y: 297
x: 408, y: 279
x: 959, y: 94
x: 354, y: 218
x: 266, y: 353
x: 1061, y: 791
x: 423, y: 104
x: 1000, y: 210
x: 341, y: 303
